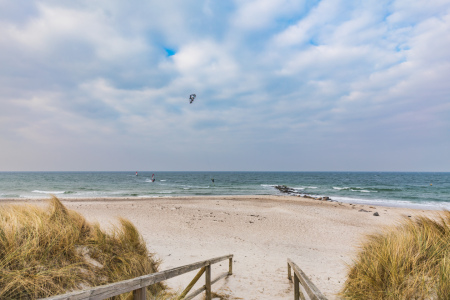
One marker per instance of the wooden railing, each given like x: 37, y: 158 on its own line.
x: 302, y: 281
x: 139, y: 285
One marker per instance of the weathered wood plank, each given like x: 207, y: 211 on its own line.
x: 125, y: 286
x: 302, y: 295
x: 312, y: 291
x: 219, y: 277
x: 203, y: 288
x: 208, y: 282
x: 195, y: 293
x: 192, y: 283
x: 218, y: 259
x: 230, y: 266
x: 140, y: 294
x: 289, y: 271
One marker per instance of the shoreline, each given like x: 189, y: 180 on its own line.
x: 399, y: 189
x: 355, y: 201
x: 321, y: 237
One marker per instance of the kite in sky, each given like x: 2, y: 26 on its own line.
x: 191, y: 98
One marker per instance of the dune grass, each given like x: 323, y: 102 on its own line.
x: 46, y: 252
x: 407, y: 261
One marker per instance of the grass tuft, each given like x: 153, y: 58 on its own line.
x: 407, y: 261
x: 46, y: 252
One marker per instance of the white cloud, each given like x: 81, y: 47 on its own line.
x: 260, y: 14
x: 267, y: 74
x: 206, y: 63
x: 320, y: 19
x: 56, y: 25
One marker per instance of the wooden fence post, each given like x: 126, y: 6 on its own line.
x: 208, y: 282
x: 140, y: 294
x: 230, y: 266
x: 289, y: 272
x: 296, y: 287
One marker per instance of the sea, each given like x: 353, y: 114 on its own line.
x: 425, y: 190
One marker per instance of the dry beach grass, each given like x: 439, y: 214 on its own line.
x: 261, y: 231
x: 407, y: 261
x: 52, y: 250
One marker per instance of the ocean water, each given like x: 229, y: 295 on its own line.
x: 421, y: 190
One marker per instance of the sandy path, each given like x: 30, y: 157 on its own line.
x: 261, y: 232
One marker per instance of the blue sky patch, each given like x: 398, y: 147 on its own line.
x: 170, y: 52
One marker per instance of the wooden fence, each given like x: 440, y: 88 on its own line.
x: 302, y: 281
x: 139, y: 285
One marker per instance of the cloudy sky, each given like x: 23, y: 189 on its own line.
x: 281, y: 85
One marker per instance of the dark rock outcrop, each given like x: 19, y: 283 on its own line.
x: 285, y: 189
x: 288, y: 190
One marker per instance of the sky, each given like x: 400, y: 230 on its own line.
x: 281, y: 85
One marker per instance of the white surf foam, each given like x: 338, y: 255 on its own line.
x: 340, y: 188
x: 393, y: 203
x: 48, y: 192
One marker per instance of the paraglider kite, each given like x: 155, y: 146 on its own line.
x: 191, y: 98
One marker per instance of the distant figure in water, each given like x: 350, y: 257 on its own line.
x: 212, y: 179
x: 136, y: 174
x: 153, y: 178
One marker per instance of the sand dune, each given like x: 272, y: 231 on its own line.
x: 261, y: 232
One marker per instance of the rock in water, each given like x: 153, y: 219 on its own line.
x: 285, y: 189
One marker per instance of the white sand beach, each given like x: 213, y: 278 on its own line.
x: 321, y: 237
